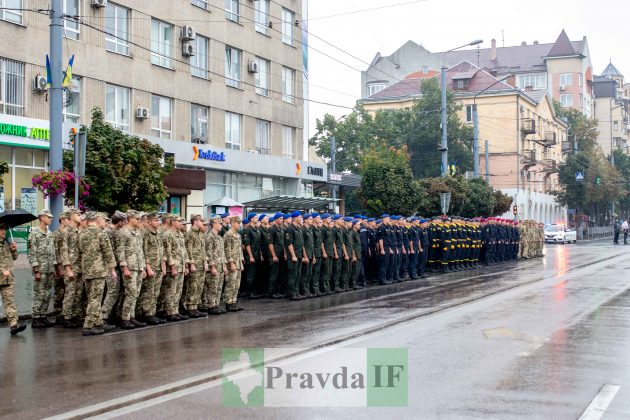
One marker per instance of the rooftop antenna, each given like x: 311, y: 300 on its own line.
x: 503, y: 37
x: 478, y: 57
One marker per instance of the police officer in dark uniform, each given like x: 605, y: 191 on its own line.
x: 328, y: 252
x: 414, y: 248
x: 384, y: 245
x: 277, y: 257
x: 295, y: 246
x: 364, y: 237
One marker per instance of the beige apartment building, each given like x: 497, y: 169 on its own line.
x: 525, y: 138
x: 612, y: 106
x: 219, y: 84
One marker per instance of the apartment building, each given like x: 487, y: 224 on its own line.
x: 563, y: 68
x: 612, y: 110
x: 219, y: 84
x: 524, y: 136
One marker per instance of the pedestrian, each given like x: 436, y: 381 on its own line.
x: 97, y: 263
x: 8, y: 254
x: 617, y: 230
x: 42, y: 258
x: 624, y: 229
x: 235, y: 263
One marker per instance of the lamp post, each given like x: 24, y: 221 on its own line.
x: 476, y: 127
x: 444, y: 145
x: 333, y: 163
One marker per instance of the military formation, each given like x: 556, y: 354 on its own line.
x: 134, y: 269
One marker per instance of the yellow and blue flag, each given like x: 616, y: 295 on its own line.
x: 48, y: 72
x: 68, y: 73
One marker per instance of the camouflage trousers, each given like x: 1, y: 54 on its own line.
x: 111, y: 295
x: 213, y: 287
x: 132, y: 287
x: 59, y: 286
x: 42, y: 289
x: 93, y: 313
x: 8, y: 302
x: 195, y: 283
x: 232, y: 284
x: 73, y: 297
x: 172, y: 288
x: 147, y: 300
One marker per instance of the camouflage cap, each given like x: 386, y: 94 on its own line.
x: 64, y: 215
x: 133, y: 214
x: 216, y: 219
x: 45, y: 212
x: 152, y: 215
x: 91, y: 215
x: 235, y: 219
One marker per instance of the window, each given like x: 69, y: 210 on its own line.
x: 161, y: 120
x: 200, y: 3
x: 14, y: 16
x: 11, y: 87
x: 469, y: 113
x: 232, y: 67
x: 262, y: 16
x: 616, y: 126
x: 199, y: 61
x: 288, y: 84
x: 581, y: 79
x: 199, y: 124
x: 581, y: 101
x: 566, y: 100
x: 460, y: 84
x: 262, y: 137
x: 233, y: 131
x: 288, y: 19
x: 262, y: 77
x: 117, y: 29
x: 374, y: 88
x: 566, y: 79
x: 161, y: 43
x: 71, y: 26
x: 72, y: 102
x: 287, y: 142
x: 535, y: 81
x: 232, y: 10
x: 117, y: 106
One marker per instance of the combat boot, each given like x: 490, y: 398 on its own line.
x: 138, y: 323
x: 107, y: 327
x: 151, y: 320
x: 127, y: 325
x: 233, y: 308
x: 93, y: 331
x: 214, y: 311
x: 18, y: 328
x: 48, y: 323
x: 38, y: 323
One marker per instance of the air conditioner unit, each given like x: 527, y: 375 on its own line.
x: 188, y: 33
x: 252, y: 67
x: 40, y: 84
x: 99, y: 3
x: 253, y: 151
x: 142, y: 113
x: 562, y: 87
x: 188, y: 49
x: 199, y: 140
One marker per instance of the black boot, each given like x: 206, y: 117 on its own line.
x: 18, y: 328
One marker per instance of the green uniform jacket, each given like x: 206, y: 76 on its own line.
x: 97, y: 256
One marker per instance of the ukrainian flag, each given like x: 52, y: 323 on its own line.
x: 68, y: 73
x: 48, y: 73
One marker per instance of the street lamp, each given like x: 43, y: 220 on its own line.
x: 476, y: 127
x: 333, y: 163
x: 444, y: 145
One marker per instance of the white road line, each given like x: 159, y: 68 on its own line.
x: 597, y: 408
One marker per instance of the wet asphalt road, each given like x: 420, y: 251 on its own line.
x: 537, y: 339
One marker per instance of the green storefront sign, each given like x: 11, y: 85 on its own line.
x: 22, y: 131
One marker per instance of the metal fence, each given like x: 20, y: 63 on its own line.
x: 592, y: 232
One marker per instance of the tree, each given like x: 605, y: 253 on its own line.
x: 387, y: 183
x: 502, y: 203
x: 124, y: 171
x: 582, y: 130
x: 480, y: 199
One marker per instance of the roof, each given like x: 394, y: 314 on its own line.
x: 535, y: 95
x: 611, y: 71
x: 422, y: 75
x: 287, y: 202
x: 562, y: 47
x: 406, y: 87
x: 515, y: 59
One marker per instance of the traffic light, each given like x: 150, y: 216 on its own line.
x: 515, y: 210
x: 598, y: 180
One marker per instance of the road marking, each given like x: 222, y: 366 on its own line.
x: 506, y: 332
x: 597, y: 408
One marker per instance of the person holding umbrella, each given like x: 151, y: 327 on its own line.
x: 8, y: 253
x: 41, y: 256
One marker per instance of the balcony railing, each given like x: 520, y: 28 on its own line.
x: 528, y: 126
x: 550, y: 139
x: 567, y: 146
x: 550, y: 165
x: 529, y: 157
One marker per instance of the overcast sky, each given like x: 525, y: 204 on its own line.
x: 444, y: 24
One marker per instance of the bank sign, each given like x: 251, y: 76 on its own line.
x: 23, y: 131
x: 207, y: 155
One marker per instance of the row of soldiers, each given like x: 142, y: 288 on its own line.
x: 136, y: 269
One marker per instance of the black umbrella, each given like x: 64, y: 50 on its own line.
x: 13, y: 218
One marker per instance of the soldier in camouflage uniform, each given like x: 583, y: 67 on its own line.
x: 177, y: 262
x: 132, y: 264
x: 155, y: 267
x: 8, y: 254
x: 161, y: 301
x: 97, y: 263
x: 72, y: 310
x: 42, y: 258
x: 215, y: 250
x: 58, y: 281
x: 235, y: 265
x: 112, y: 285
x: 196, y: 247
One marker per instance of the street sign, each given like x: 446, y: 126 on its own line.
x: 571, y: 211
x: 579, y: 176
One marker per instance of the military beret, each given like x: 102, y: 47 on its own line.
x: 355, y: 221
x: 314, y: 215
x: 44, y: 212
x: 272, y: 218
x: 224, y: 215
x: 262, y: 216
x: 395, y: 217
x: 347, y: 219
x: 251, y: 215
x: 384, y: 216
x: 371, y: 219
x: 325, y: 216
x: 296, y: 214
x: 245, y: 221
x: 286, y: 216
x: 337, y: 217
x: 277, y: 215
x: 378, y: 221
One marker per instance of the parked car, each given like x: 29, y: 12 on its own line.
x: 560, y: 234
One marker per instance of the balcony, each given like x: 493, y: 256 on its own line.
x: 528, y: 126
x: 550, y: 139
x: 549, y: 165
x: 567, y: 146
x: 529, y: 158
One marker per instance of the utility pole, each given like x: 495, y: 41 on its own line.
x: 333, y: 169
x: 476, y: 142
x: 487, y: 163
x: 56, y: 101
x: 444, y: 144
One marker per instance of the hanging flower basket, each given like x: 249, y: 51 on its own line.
x: 54, y: 184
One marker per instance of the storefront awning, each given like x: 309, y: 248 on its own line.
x: 287, y: 202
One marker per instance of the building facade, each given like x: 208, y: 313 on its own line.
x: 563, y: 68
x: 611, y: 110
x: 524, y: 136
x: 219, y: 84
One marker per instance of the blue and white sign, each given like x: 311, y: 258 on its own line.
x: 579, y: 176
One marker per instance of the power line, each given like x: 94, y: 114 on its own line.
x: 364, y: 10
